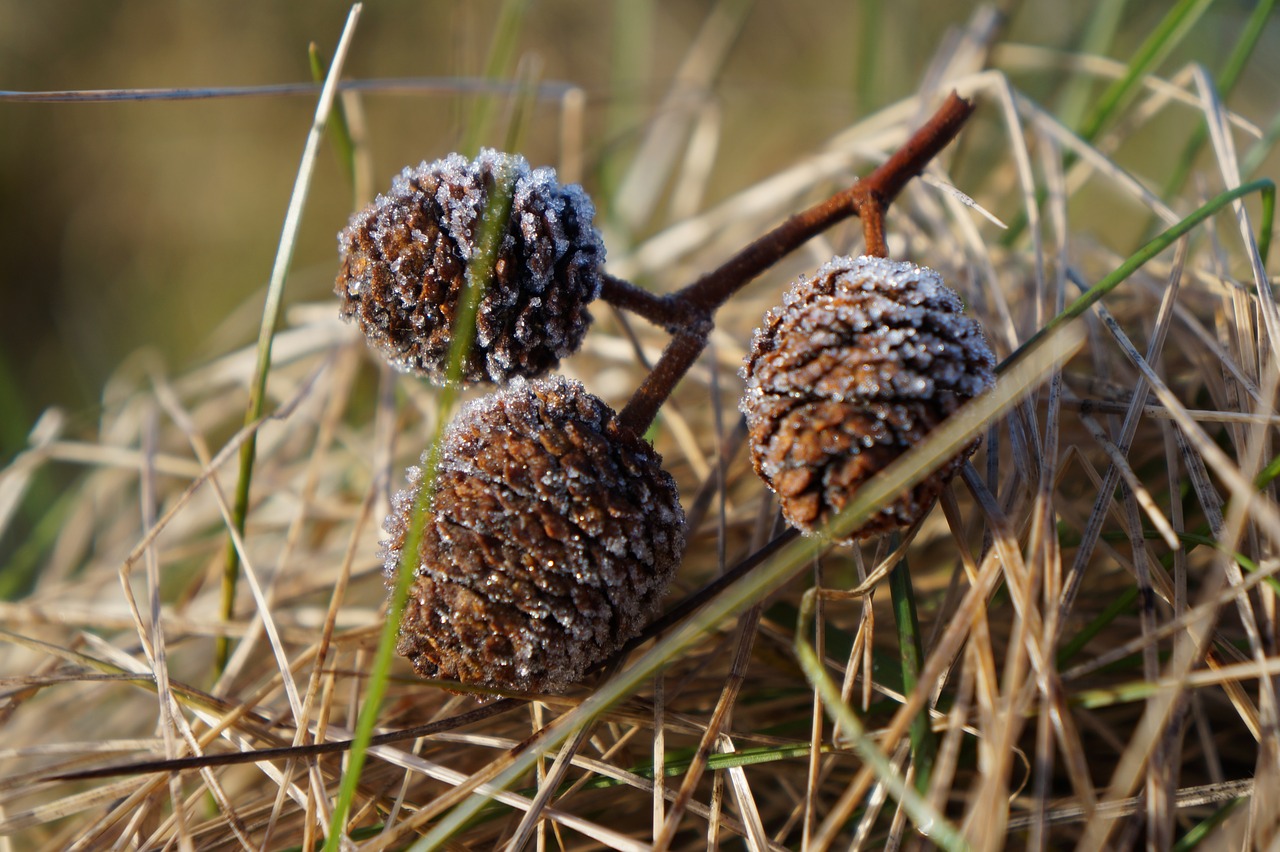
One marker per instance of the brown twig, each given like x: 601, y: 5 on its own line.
x: 677, y: 358
x: 687, y: 313
x: 664, y: 311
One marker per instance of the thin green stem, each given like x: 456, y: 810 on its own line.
x: 871, y: 38
x: 526, y: 99
x: 924, y: 745
x: 1097, y: 39
x: 501, y: 51
x: 1168, y: 34
x: 270, y: 319
x: 1203, y: 830
x: 339, y: 129
x: 494, y: 224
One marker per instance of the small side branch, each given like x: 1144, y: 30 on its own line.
x: 687, y: 313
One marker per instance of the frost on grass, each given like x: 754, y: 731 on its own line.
x: 551, y: 542
x: 405, y: 268
x: 854, y: 368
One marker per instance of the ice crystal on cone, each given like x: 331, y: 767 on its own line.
x: 552, y: 539
x: 855, y: 367
x: 405, y: 268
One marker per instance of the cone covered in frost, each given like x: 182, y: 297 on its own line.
x: 855, y: 367
x: 551, y: 541
x: 405, y: 268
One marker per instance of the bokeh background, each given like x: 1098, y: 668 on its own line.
x: 152, y: 225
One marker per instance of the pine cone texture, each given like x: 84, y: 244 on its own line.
x: 855, y: 367
x: 552, y: 539
x: 404, y: 268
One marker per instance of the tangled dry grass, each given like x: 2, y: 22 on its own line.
x: 1096, y: 592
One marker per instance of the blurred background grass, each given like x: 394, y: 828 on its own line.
x: 152, y: 225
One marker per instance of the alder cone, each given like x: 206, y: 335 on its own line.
x: 552, y: 539
x: 405, y: 268
x: 855, y: 367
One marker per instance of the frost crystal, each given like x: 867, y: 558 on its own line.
x: 855, y: 367
x: 405, y: 267
x: 553, y: 536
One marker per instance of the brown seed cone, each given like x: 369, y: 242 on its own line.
x: 552, y: 539
x: 404, y: 268
x: 856, y: 366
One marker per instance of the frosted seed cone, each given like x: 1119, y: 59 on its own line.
x: 404, y: 268
x: 552, y: 539
x: 855, y: 367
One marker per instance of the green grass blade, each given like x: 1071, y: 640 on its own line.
x: 1161, y: 242
x: 1226, y: 81
x: 1204, y: 829
x: 870, y: 37
x: 1170, y: 32
x: 339, y: 129
x: 271, y: 317
x: 501, y: 55
x: 1173, y: 28
x: 493, y: 227
x: 21, y: 570
x: 1268, y: 473
x: 526, y: 101
x: 924, y: 745
x: 14, y: 424
x: 1099, y: 34
x: 1122, y: 603
x: 1267, y: 226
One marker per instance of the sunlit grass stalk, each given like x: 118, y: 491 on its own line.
x: 924, y: 745
x: 493, y: 226
x: 271, y: 318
